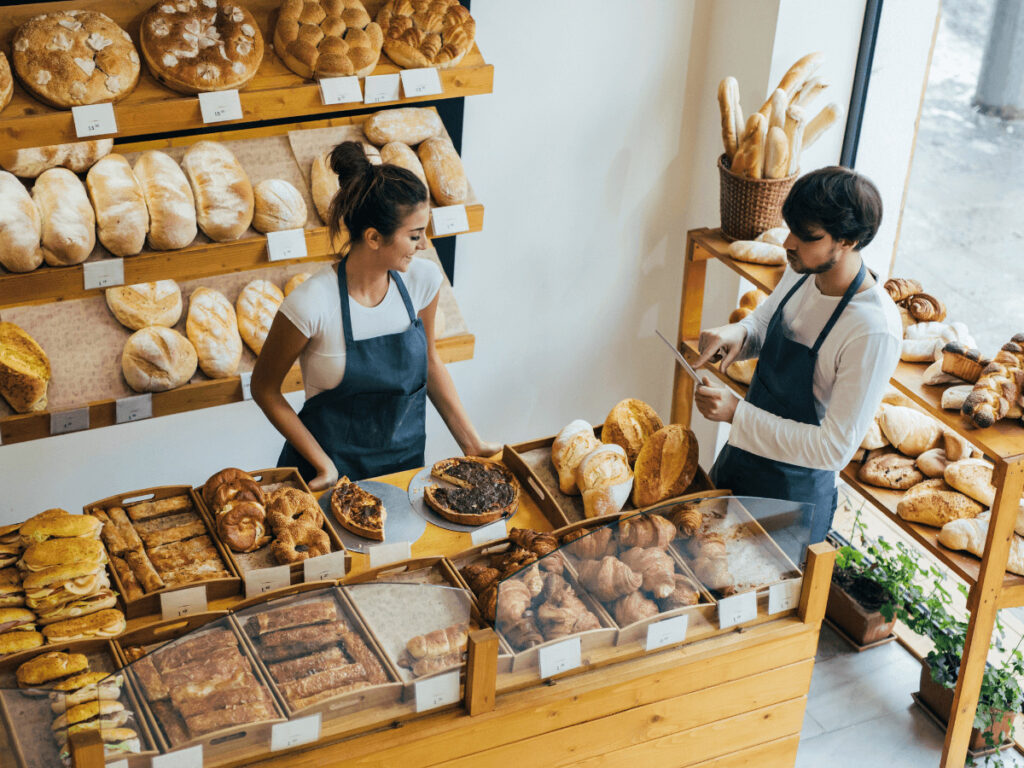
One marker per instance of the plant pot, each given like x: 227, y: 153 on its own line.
x: 940, y: 701
x: 862, y: 626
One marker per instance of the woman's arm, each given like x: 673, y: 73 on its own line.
x: 442, y: 393
x: 282, y: 348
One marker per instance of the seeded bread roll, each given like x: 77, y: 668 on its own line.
x: 446, y: 177
x: 122, y: 218
x: 20, y: 227
x: 172, y: 207
x: 157, y: 359
x: 140, y: 306
x: 409, y: 125
x: 78, y: 156
x: 278, y: 206
x: 223, y: 193
x: 213, y: 329
x: 24, y: 370
x: 69, y: 225
x: 256, y: 306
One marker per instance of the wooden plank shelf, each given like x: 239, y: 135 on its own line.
x: 274, y: 93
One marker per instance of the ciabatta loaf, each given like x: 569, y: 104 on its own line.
x: 78, y: 156
x: 279, y: 206
x: 213, y: 329
x: 574, y: 442
x: 256, y: 306
x: 169, y: 199
x: 223, y: 194
x: 122, y: 218
x: 442, y: 166
x: 934, y: 503
x: 157, y: 359
x: 20, y: 227
x: 69, y: 225
x: 145, y: 304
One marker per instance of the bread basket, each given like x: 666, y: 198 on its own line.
x: 750, y: 206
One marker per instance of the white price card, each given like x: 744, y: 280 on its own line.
x: 784, y: 596
x: 737, y: 609
x: 286, y: 244
x: 192, y: 757
x: 74, y: 420
x: 94, y: 120
x: 340, y: 90
x: 437, y: 691
x: 324, y: 567
x: 260, y: 580
x: 103, y: 274
x: 118, y: 764
x: 491, y: 532
x: 245, y: 379
x: 449, y: 220
x: 560, y: 657
x: 666, y: 632
x: 420, y: 82
x: 183, y: 602
x: 218, y: 106
x: 380, y: 88
x: 382, y: 554
x: 134, y: 408
x: 303, y: 730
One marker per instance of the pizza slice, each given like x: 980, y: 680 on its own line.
x: 357, y: 510
x: 485, y: 491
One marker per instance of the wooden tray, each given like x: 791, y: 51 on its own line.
x: 149, y: 603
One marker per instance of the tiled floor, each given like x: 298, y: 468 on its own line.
x: 860, y: 713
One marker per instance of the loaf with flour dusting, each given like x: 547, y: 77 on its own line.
x: 172, y: 207
x: 213, y: 329
x: 256, y: 306
x: 223, y: 194
x: 69, y: 224
x: 20, y: 227
x: 122, y: 219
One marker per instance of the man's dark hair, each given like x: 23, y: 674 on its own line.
x: 838, y: 200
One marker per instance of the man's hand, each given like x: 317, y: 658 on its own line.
x: 325, y: 478
x: 724, y: 342
x: 715, y: 403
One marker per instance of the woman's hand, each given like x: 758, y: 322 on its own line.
x: 325, y: 479
x: 725, y: 341
x: 715, y: 403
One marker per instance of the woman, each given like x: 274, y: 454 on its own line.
x: 363, y: 331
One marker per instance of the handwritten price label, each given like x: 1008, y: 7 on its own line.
x: 261, y: 580
x: 286, y: 244
x: 218, y: 106
x: 340, y: 90
x: 183, y: 758
x: 383, y: 554
x: 324, y: 567
x: 560, y: 657
x: 295, y: 732
x: 184, y: 602
x: 245, y: 379
x: 381, y: 88
x: 437, y: 691
x: 94, y: 120
x: 63, y: 422
x: 420, y: 82
x: 449, y: 220
x: 102, y: 274
x: 667, y: 632
x: 784, y: 596
x: 133, y: 408
x: 737, y: 609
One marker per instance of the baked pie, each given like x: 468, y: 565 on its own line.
x: 485, y: 491
x: 357, y: 510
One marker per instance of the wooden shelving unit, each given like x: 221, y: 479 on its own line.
x: 991, y: 587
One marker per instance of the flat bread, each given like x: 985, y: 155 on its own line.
x: 358, y: 511
x: 485, y: 491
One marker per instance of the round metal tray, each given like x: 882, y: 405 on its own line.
x: 401, y: 523
x: 420, y: 481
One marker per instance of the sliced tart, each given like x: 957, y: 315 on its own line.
x: 484, y: 491
x: 357, y: 510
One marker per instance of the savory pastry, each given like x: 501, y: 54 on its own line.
x: 20, y: 640
x: 50, y: 668
x: 107, y: 623
x: 358, y: 510
x: 486, y: 491
x: 327, y: 38
x: 629, y: 424
x: 24, y: 370
x: 421, y: 34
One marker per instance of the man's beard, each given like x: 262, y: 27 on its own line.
x: 802, y: 269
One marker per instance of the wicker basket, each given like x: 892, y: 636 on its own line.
x: 750, y: 206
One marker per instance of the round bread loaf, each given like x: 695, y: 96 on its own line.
x: 145, y: 304
x: 328, y: 38
x: 192, y: 46
x: 78, y: 156
x: 20, y: 227
x: 426, y: 33
x: 68, y: 221
x: 122, y: 218
x: 399, y: 153
x: 169, y: 199
x: 256, y: 306
x: 666, y: 465
x: 221, y: 188
x: 6, y: 81
x: 213, y: 328
x: 70, y: 58
x: 409, y: 125
x: 295, y: 281
x: 630, y: 424
x: 156, y: 359
x: 278, y: 206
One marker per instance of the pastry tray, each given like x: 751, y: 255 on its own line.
x: 149, y: 603
x: 400, y: 524
x: 28, y: 718
x: 424, y: 478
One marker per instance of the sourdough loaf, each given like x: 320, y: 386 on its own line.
x: 223, y: 194
x: 24, y: 370
x: 20, y: 227
x: 213, y: 329
x: 157, y: 359
x: 278, y: 206
x: 256, y: 306
x: 630, y: 424
x: 122, y: 219
x: 442, y: 166
x: 68, y: 222
x: 666, y: 465
x: 169, y: 199
x: 574, y: 442
x: 145, y: 304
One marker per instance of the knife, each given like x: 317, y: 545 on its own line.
x: 682, y: 360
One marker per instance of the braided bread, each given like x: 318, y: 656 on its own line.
x: 426, y: 33
x: 327, y: 38
x: 998, y: 389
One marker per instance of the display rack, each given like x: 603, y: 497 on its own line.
x: 990, y: 586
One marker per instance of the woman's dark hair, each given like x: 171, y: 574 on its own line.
x: 838, y: 200
x: 377, y: 196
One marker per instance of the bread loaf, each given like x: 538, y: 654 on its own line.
x: 971, y: 535
x: 604, y: 479
x: 956, y: 446
x: 953, y: 397
x: 666, y: 465
x: 933, y: 462
x: 920, y: 350
x: 78, y: 157
x: 934, y: 376
x: 20, y: 227
x: 796, y: 126
x: 6, y: 82
x: 779, y: 103
x: 140, y: 306
x: 68, y: 222
x: 157, y: 359
x: 122, y: 218
x: 213, y: 329
x: 629, y: 425
x: 775, y: 236
x: 295, y: 281
x: 973, y: 477
x: 223, y: 194
x: 397, y: 153
x: 421, y: 34
x: 962, y: 362
x: 278, y: 206
x: 809, y: 91
x: 749, y: 159
x: 754, y: 252
x: 169, y: 198
x: 934, y: 503
x: 909, y: 430
x: 574, y: 442
x: 442, y: 166
x: 997, y: 390
x: 885, y: 468
x: 24, y: 370
x: 327, y: 38
x: 728, y: 101
x: 874, y: 438
x: 818, y: 124
x: 324, y: 185
x: 256, y: 306
x: 776, y: 156
x: 409, y: 125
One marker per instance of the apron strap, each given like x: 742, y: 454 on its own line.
x: 346, y: 314
x: 847, y: 298
x: 405, y: 295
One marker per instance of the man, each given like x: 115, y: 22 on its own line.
x: 827, y: 339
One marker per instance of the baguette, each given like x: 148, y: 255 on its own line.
x: 443, y: 168
x: 795, y: 77
x: 169, y: 198
x: 68, y: 221
x: 728, y: 99
x: 796, y: 122
x: 754, y: 252
x: 750, y: 156
x: 20, y: 227
x: 809, y: 92
x: 780, y: 103
x: 776, y: 155
x: 820, y: 122
x: 122, y: 218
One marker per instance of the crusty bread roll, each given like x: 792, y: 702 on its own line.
x: 630, y: 424
x: 223, y: 194
x: 973, y: 477
x: 213, y: 329
x: 279, y: 206
x: 742, y: 370
x: 754, y: 252
x: 77, y: 156
x: 20, y: 227
x: 397, y: 153
x: 145, y: 304
x: 873, y: 438
x: 24, y: 370
x: 666, y: 465
x: 909, y: 430
x: 442, y: 166
x: 738, y: 314
x: 122, y: 219
x: 934, y: 503
x: 574, y: 442
x: 409, y: 125
x: 933, y: 462
x: 156, y: 359
x: 749, y: 159
x: 172, y: 207
x: 295, y: 281
x: 6, y: 82
x: 256, y: 306
x: 752, y: 299
x: 324, y: 185
x: 953, y: 397
x: 69, y: 225
x: 604, y: 479
x: 971, y: 535
x: 885, y: 468
x: 728, y: 99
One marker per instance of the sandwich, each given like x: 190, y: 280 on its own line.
x: 9, y: 533
x: 17, y: 619
x: 47, y: 526
x: 85, y: 687
x: 19, y: 640
x: 106, y: 623
x: 50, y: 668
x: 11, y: 592
x: 77, y: 607
x: 92, y: 715
x: 83, y: 586
x: 9, y: 553
x: 52, y: 552
x: 116, y: 742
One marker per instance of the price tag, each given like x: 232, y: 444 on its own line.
x: 134, y: 408
x: 184, y: 602
x: 218, y: 106
x: 784, y: 596
x: 449, y: 220
x: 63, y: 422
x: 560, y: 657
x: 382, y: 554
x: 324, y: 567
x: 295, y: 732
x: 340, y: 90
x: 118, y: 764
x: 437, y: 691
x: 492, y: 532
x: 103, y: 274
x: 380, y: 88
x: 667, y: 632
x: 286, y: 244
x: 420, y: 82
x: 737, y: 609
x: 94, y: 120
x: 262, y: 580
x: 245, y: 379
x: 192, y: 757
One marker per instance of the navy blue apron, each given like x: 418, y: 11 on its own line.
x: 373, y: 422
x: 783, y: 385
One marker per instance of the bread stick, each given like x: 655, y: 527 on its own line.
x: 728, y: 96
x: 776, y: 154
x: 829, y: 114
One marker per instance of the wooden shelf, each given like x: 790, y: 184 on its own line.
x: 274, y: 93
x: 689, y: 351
x: 709, y: 244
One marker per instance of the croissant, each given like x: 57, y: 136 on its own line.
x: 479, y: 577
x: 440, y: 642
x: 655, y: 566
x: 684, y: 594
x: 632, y: 608
x: 900, y: 288
x: 714, y: 572
x: 538, y: 543
x: 533, y: 580
x: 925, y: 308
x: 513, y: 560
x: 609, y: 578
x: 553, y: 563
x: 489, y: 602
x: 565, y: 614
x: 523, y: 633
x: 646, y: 531
x: 687, y: 519
x: 590, y: 545
x: 514, y: 600
x: 711, y: 545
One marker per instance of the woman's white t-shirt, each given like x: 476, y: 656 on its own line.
x: 314, y: 308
